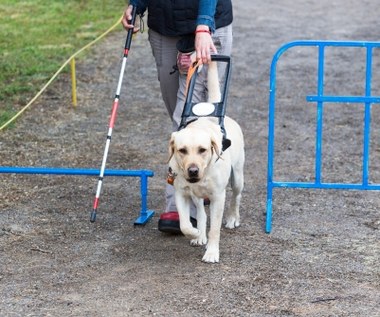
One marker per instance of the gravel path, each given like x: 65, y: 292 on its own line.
x: 322, y: 258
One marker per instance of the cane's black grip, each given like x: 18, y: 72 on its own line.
x: 130, y: 31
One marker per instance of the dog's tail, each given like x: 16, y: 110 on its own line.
x: 213, y: 86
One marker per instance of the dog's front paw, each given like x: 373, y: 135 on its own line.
x: 211, y: 255
x: 232, y: 222
x: 191, y: 233
x: 201, y: 240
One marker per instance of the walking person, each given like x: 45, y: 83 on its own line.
x: 208, y: 24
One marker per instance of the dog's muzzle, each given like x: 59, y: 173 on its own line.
x: 193, y: 174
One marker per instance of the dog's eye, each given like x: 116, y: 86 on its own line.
x: 202, y: 150
x: 182, y: 151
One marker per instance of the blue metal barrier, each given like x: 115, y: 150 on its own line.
x: 145, y: 214
x: 320, y: 99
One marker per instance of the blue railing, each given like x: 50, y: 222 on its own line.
x: 320, y: 99
x: 145, y: 214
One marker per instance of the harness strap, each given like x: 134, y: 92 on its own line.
x: 193, y: 67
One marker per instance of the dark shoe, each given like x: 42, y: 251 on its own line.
x: 206, y: 202
x: 169, y: 222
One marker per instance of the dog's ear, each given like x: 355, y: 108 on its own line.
x: 171, y: 147
x: 215, y: 147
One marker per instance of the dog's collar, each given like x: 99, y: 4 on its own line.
x: 171, y: 176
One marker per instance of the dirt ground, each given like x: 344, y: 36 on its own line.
x: 322, y: 257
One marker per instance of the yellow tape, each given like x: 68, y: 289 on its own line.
x: 57, y: 73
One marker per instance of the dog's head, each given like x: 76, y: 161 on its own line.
x: 192, y: 149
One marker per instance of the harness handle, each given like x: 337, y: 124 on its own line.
x: 219, y: 107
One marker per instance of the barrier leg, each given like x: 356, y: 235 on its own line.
x: 145, y: 214
x: 268, y: 222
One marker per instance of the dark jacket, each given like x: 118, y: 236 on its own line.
x: 178, y: 17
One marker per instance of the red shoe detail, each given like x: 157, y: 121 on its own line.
x: 169, y: 222
x: 170, y: 215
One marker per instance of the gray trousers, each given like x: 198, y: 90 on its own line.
x: 173, y: 85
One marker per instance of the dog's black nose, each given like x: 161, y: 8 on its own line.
x: 193, y: 171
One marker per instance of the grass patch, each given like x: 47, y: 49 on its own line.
x: 6, y: 114
x: 37, y: 37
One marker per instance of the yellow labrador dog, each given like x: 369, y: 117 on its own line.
x: 202, y: 170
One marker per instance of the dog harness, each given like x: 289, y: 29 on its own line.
x: 192, y: 111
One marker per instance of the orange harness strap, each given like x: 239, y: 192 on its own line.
x: 192, y: 69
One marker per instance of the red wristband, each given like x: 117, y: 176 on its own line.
x: 202, y: 31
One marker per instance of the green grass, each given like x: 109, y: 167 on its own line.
x: 38, y: 36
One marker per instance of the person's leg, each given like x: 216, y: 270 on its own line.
x: 165, y: 54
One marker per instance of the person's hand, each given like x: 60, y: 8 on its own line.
x: 127, y: 18
x: 204, y: 46
x: 184, y: 61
